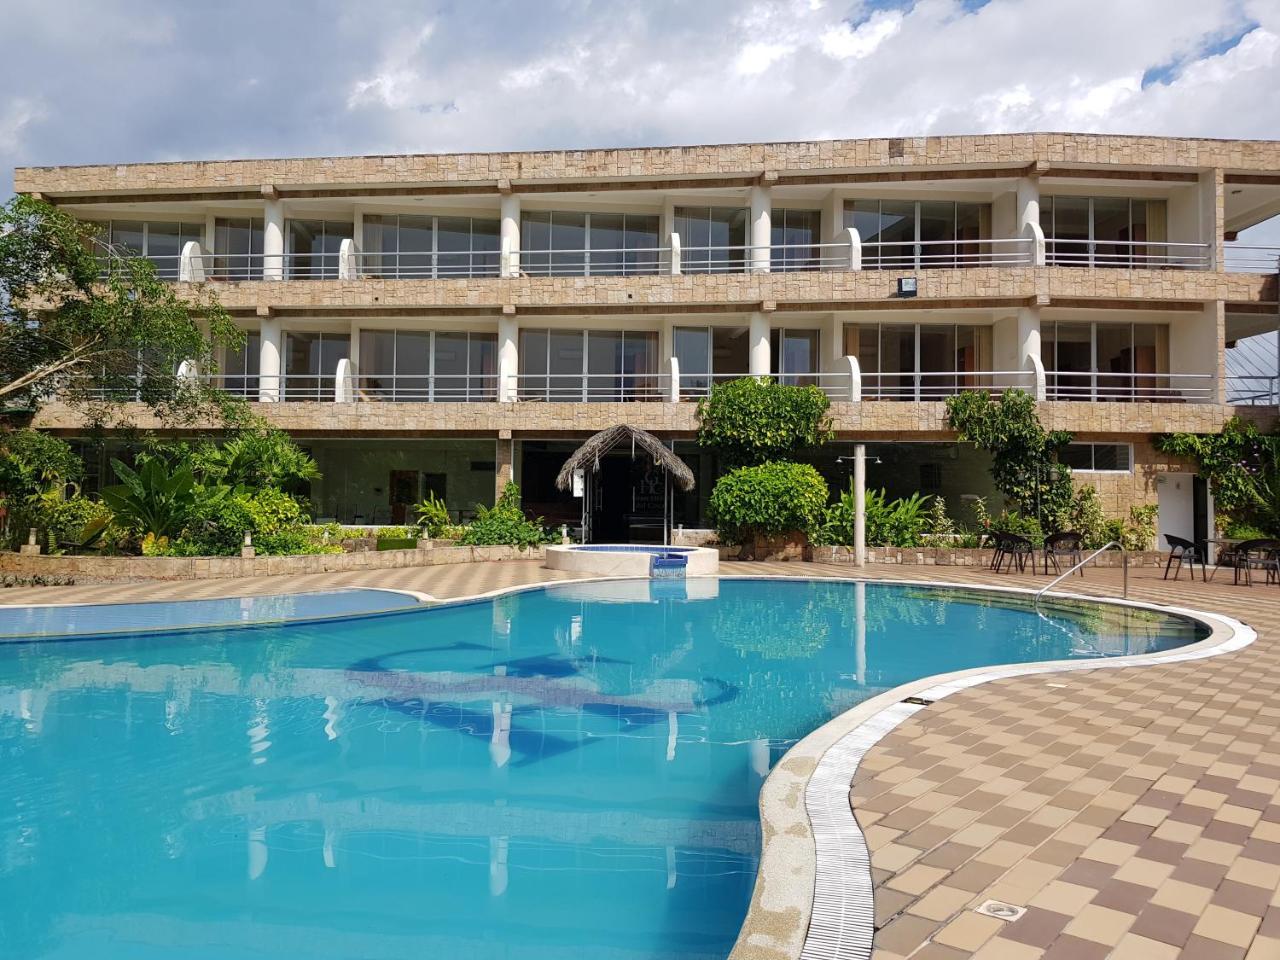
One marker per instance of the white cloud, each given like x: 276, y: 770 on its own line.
x: 845, y: 42
x: 16, y: 116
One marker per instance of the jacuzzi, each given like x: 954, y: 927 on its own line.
x: 632, y: 559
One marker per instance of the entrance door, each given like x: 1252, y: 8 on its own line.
x: 1177, y: 514
x: 403, y: 494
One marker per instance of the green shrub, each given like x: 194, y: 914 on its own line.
x: 32, y: 463
x: 258, y: 456
x: 900, y: 523
x: 505, y: 524
x: 755, y: 420
x: 1087, y: 518
x: 767, y: 500
x: 1239, y: 530
x: 275, y: 520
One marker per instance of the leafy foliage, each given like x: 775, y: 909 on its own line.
x: 433, y: 517
x: 33, y: 463
x: 755, y: 420
x: 940, y: 529
x: 258, y: 456
x: 1024, y: 467
x: 505, y: 524
x: 1242, y: 465
x: 216, y: 525
x: 767, y: 500
x: 154, y: 500
x: 1088, y: 520
x: 900, y: 523
x: 98, y: 332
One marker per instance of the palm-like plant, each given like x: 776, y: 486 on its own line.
x: 154, y: 499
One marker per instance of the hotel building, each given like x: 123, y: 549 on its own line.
x: 447, y: 322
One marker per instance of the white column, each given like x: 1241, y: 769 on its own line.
x: 833, y: 217
x: 269, y: 361
x: 273, y: 240
x: 666, y: 227
x: 210, y: 232
x: 759, y: 362
x: 509, y: 233
x: 860, y: 505
x: 1028, y: 334
x: 761, y: 229
x: 508, y: 357
x: 1028, y: 202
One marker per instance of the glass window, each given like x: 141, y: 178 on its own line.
x: 560, y: 243
x: 795, y: 235
x: 313, y: 245
x: 950, y: 234
x: 240, y: 367
x: 1104, y: 231
x: 378, y: 364
x: 1090, y: 361
x: 237, y: 245
x: 311, y: 364
x: 794, y: 352
x: 692, y: 347
x: 160, y: 241
x: 1098, y: 457
x: 712, y: 239
x: 919, y: 361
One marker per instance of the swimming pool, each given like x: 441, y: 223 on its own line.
x: 564, y: 771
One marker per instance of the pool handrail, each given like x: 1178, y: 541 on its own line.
x: 1103, y: 549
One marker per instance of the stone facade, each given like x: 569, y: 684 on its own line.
x: 1040, y: 152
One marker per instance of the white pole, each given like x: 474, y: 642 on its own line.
x: 860, y: 505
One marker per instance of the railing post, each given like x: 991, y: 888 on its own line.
x: 1032, y: 233
x: 675, y: 254
x: 854, y: 240
x: 674, y: 386
x: 344, y: 381
x: 348, y: 265
x: 1039, y: 382
x: 855, y: 379
x: 191, y: 264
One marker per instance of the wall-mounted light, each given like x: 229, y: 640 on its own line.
x: 907, y: 286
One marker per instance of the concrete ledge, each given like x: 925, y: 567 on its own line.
x: 109, y: 569
x: 967, y: 557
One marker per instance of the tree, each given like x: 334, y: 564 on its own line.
x: 96, y: 328
x: 1024, y: 455
x: 754, y: 420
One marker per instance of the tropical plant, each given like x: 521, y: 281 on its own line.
x: 505, y: 524
x: 1087, y: 518
x: 256, y: 456
x: 767, y: 500
x: 96, y: 326
x: 434, y: 520
x: 277, y: 523
x: 755, y: 420
x: 900, y: 523
x: 33, y: 463
x: 940, y: 529
x: 1024, y: 464
x: 155, y: 499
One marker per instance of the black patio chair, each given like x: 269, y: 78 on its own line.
x: 1068, y: 545
x: 1017, y: 550
x: 997, y: 543
x: 1184, y: 551
x: 1249, y: 555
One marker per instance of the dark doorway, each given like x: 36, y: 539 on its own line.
x: 1199, y: 509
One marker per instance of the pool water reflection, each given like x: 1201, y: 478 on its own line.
x: 563, y: 771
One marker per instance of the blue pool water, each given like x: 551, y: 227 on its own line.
x: 563, y: 772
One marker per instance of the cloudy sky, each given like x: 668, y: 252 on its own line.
x: 85, y: 81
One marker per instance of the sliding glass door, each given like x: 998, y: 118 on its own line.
x: 907, y: 361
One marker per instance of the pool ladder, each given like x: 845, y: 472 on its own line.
x: 1103, y: 549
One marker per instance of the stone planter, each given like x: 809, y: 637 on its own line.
x: 785, y: 546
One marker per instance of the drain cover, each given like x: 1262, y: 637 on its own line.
x: 1001, y: 911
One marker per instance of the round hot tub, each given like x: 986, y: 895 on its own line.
x: 632, y: 559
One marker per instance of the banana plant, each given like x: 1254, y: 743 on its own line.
x: 155, y: 499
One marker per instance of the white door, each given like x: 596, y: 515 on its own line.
x: 1176, y: 499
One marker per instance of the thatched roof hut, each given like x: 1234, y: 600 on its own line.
x: 587, y: 456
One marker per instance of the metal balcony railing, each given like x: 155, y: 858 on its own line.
x: 428, y: 265
x: 928, y: 385
x: 1126, y: 253
x: 426, y: 388
x: 1248, y: 258
x: 593, y: 387
x: 1130, y: 387
x: 942, y: 254
x: 1252, y: 391
x: 596, y: 262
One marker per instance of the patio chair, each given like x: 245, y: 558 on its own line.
x: 997, y: 544
x: 1016, y: 550
x: 1184, y: 551
x: 1250, y: 555
x: 1068, y: 545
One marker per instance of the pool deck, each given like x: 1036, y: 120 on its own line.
x: 1134, y: 812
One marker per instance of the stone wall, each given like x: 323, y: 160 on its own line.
x: 109, y: 569
x: 1071, y: 150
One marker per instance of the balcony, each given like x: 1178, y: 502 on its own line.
x: 1089, y: 387
x: 1127, y: 254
